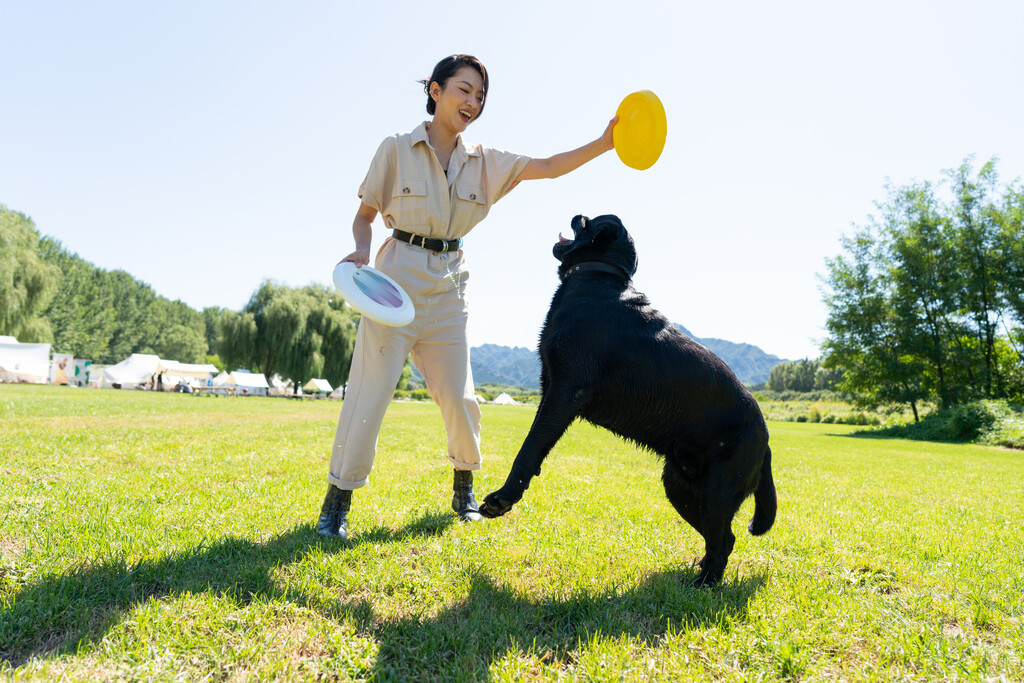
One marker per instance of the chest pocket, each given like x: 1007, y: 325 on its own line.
x: 470, y: 207
x: 409, y: 205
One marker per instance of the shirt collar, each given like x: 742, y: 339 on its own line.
x: 462, y: 150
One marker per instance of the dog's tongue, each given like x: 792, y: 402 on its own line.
x: 562, y: 239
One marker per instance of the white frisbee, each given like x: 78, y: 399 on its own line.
x: 374, y: 294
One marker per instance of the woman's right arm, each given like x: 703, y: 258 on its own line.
x: 362, y: 230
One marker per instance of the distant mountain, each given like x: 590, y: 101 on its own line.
x: 750, y: 363
x: 512, y: 365
x: 518, y: 366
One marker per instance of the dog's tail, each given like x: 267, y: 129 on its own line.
x: 765, y: 503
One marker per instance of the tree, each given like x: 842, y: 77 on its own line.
x: 976, y: 216
x: 108, y: 315
x: 82, y: 312
x: 181, y: 334
x: 212, y: 322
x: 865, y: 337
x: 915, y: 305
x: 793, y: 376
x: 27, y: 283
x: 297, y: 333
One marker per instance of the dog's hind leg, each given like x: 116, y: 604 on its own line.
x: 707, y: 505
x: 559, y: 406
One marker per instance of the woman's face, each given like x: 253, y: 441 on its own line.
x: 458, y: 103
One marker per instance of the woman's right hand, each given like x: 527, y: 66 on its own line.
x: 360, y: 257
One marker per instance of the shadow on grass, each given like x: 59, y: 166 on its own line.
x: 53, y: 616
x: 59, y: 613
x: 462, y: 642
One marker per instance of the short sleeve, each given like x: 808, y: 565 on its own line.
x: 380, y: 177
x: 502, y: 169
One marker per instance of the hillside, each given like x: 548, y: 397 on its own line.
x: 518, y: 366
x: 749, y: 362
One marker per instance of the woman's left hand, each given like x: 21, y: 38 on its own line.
x: 606, y: 137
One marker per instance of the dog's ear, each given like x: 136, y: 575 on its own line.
x: 612, y: 237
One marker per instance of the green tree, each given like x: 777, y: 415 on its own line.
x: 915, y: 305
x: 27, y: 283
x: 181, y: 332
x: 82, y: 312
x: 212, y: 323
x: 977, y: 216
x: 924, y: 281
x: 1010, y: 276
x: 865, y: 336
x: 297, y: 333
x: 793, y: 376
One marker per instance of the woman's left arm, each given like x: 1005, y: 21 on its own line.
x: 563, y: 163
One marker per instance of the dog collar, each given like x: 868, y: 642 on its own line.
x: 595, y: 266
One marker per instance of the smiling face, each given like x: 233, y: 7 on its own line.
x: 458, y: 102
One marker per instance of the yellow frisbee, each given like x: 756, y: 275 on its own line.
x: 639, y: 136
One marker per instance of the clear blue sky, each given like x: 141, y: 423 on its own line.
x: 205, y: 146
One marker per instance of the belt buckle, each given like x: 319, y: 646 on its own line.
x: 444, y: 246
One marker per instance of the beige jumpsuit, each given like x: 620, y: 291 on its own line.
x: 411, y: 191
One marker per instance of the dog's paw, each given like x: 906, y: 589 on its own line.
x: 493, y: 506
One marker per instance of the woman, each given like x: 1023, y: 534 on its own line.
x: 430, y: 188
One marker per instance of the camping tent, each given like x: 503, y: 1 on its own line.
x: 247, y: 383
x: 195, y: 370
x: 320, y: 386
x: 134, y: 370
x: 191, y: 374
x: 279, y: 386
x: 504, y: 400
x: 24, y: 362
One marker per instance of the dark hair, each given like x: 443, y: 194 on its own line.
x: 446, y: 68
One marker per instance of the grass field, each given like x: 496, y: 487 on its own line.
x: 165, y: 536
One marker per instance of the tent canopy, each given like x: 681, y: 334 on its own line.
x: 249, y: 380
x: 504, y: 400
x: 196, y: 370
x: 318, y: 385
x: 24, y: 362
x: 136, y: 369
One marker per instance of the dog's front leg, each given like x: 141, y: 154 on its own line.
x: 558, y: 408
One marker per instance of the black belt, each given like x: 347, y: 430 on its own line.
x: 430, y: 243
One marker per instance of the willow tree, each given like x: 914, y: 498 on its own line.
x: 27, y: 283
x: 298, y: 333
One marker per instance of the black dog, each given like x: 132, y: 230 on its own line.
x: 610, y: 358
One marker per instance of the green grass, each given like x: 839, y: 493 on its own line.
x: 165, y: 536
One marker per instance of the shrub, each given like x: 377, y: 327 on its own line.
x: 970, y: 420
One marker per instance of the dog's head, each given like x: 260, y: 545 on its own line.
x: 603, y: 239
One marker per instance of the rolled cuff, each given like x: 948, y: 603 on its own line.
x: 472, y: 466
x: 347, y: 485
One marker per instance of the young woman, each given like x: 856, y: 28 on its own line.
x: 430, y: 188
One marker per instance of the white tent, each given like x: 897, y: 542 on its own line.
x: 247, y: 383
x: 318, y: 386
x: 279, y: 386
x: 24, y: 362
x: 250, y: 383
x: 134, y: 370
x: 504, y: 400
x: 194, y: 370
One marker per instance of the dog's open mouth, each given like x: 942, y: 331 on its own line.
x: 562, y: 240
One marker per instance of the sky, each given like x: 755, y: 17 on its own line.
x: 206, y: 146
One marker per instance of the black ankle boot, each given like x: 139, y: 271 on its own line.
x: 333, y: 520
x: 464, y: 502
